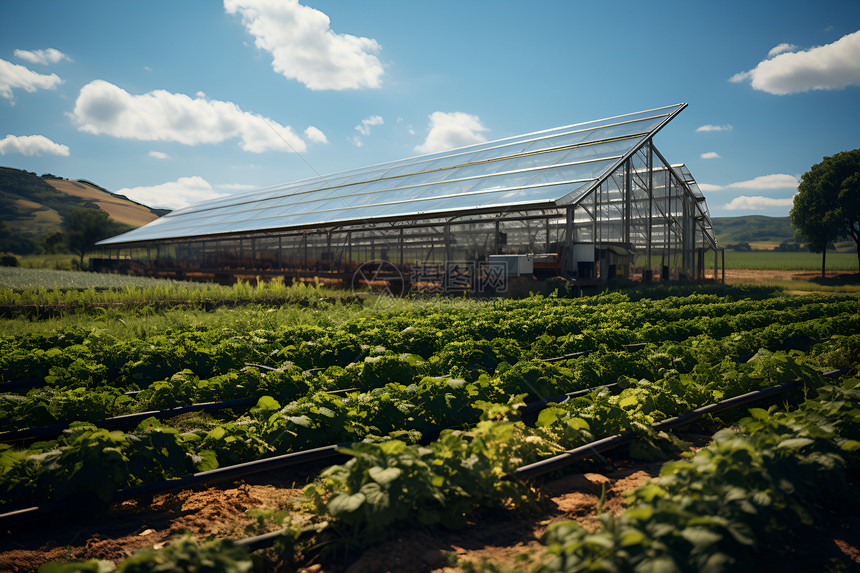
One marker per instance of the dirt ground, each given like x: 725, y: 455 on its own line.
x: 220, y: 511
x: 216, y: 510
x: 745, y: 275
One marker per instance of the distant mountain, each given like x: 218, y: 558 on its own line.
x: 32, y: 207
x: 759, y: 231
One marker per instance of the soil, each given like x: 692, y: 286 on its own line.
x: 220, y: 511
x: 508, y: 540
x: 747, y: 275
x: 215, y: 511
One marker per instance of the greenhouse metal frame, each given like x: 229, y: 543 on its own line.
x: 588, y: 202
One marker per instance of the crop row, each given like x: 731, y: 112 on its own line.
x: 730, y: 507
x: 76, y: 464
x: 468, y: 359
x: 540, y: 329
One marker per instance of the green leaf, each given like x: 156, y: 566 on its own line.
x: 345, y: 503
x: 547, y: 417
x: 265, y: 404
x: 795, y: 443
x: 384, y: 476
x: 850, y: 445
x: 701, y: 537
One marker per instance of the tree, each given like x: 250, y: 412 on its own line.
x: 827, y: 204
x: 85, y: 227
x: 51, y: 242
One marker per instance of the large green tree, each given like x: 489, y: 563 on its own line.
x: 84, y: 227
x: 827, y: 204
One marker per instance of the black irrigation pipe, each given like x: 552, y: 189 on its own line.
x: 220, y: 474
x: 126, y: 419
x: 537, y: 469
x: 561, y: 398
x: 583, y: 452
x: 194, y: 480
x: 331, y: 451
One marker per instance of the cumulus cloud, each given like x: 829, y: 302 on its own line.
x: 756, y: 203
x: 305, y: 48
x: 829, y: 67
x: 762, y: 182
x: 183, y: 192
x: 781, y: 48
x: 710, y: 155
x: 43, y: 57
x: 451, y: 130
x: 103, y: 108
x: 364, y: 127
x: 773, y: 181
x: 709, y: 127
x: 315, y: 135
x: 158, y: 155
x: 13, y: 76
x: 31, y: 145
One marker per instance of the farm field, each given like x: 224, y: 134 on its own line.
x: 790, y: 261
x: 447, y: 414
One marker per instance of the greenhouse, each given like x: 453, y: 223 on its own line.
x: 588, y: 202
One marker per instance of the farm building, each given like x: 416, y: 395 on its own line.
x: 588, y: 202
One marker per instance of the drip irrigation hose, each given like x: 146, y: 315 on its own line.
x: 325, y: 452
x: 126, y: 419
x: 539, y: 468
x: 578, y: 454
x: 194, y: 480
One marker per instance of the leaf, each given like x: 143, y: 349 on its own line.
x: 701, y: 537
x: 547, y: 417
x: 265, y: 404
x: 850, y: 445
x: 795, y: 443
x: 384, y: 476
x: 345, y: 503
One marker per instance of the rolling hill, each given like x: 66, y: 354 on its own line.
x: 759, y: 231
x: 32, y: 207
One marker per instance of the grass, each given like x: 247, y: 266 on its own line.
x: 798, y: 261
x: 126, y: 325
x: 20, y: 286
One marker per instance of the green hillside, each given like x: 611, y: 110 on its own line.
x: 32, y: 207
x: 753, y: 229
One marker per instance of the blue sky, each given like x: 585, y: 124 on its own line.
x: 174, y: 102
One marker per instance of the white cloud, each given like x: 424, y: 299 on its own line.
x: 710, y: 155
x: 14, y: 76
x: 355, y: 140
x: 364, y: 128
x: 709, y: 127
x: 183, y: 192
x: 305, y: 48
x: 158, y: 155
x: 451, y: 130
x: 762, y: 182
x: 829, y: 67
x: 315, y: 134
x: 756, y: 203
x: 43, y: 57
x: 236, y: 187
x: 781, y: 48
x: 773, y: 181
x: 103, y: 108
x: 32, y: 145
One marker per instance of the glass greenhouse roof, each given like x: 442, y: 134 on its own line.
x: 542, y: 169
